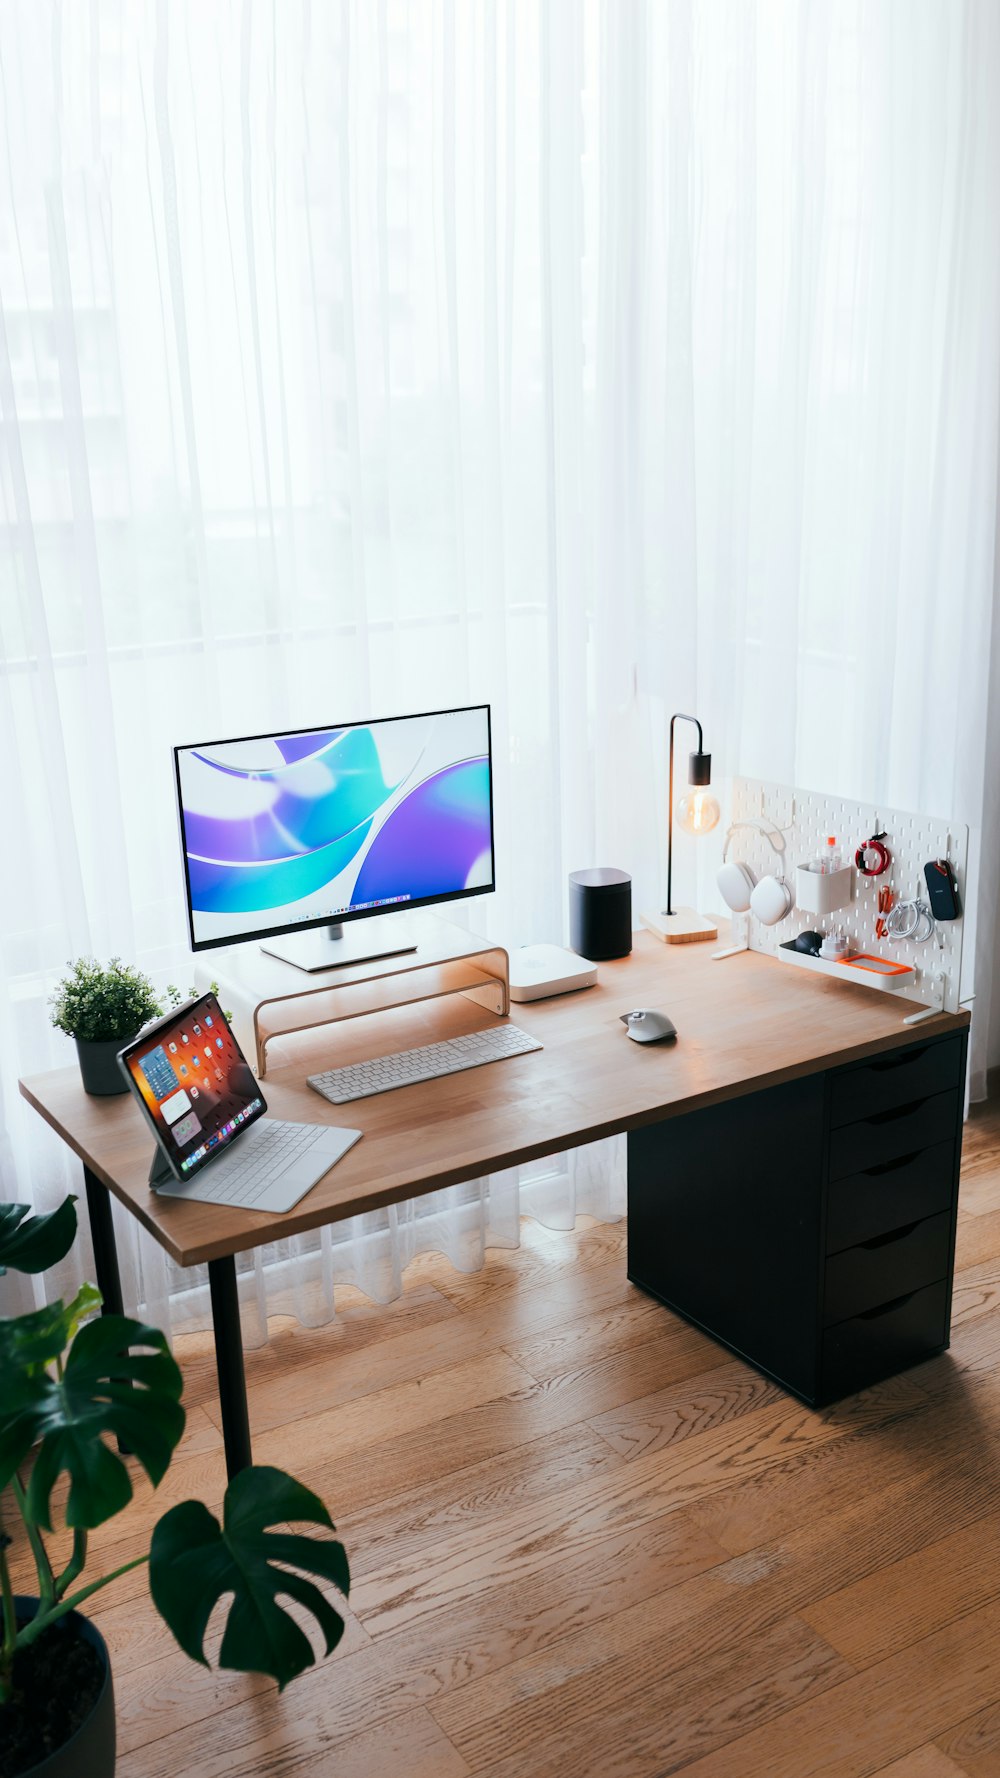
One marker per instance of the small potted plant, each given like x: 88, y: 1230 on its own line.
x: 103, y: 1006
x: 73, y: 1385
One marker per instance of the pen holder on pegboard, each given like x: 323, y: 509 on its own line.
x: 823, y: 892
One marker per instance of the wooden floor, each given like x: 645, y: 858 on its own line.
x: 585, y: 1540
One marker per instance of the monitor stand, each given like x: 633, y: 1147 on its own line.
x: 339, y: 946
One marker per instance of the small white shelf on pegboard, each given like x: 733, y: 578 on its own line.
x: 848, y: 972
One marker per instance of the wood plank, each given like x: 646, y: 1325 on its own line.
x: 774, y: 1503
x: 614, y: 1594
x: 653, y: 1723
x: 505, y: 1628
x: 476, y: 1494
x: 414, y: 1406
x: 978, y: 1239
x: 879, y: 1716
x: 729, y: 1605
x: 157, y: 1690
x: 588, y: 1338
x: 684, y: 1409
x: 910, y: 1598
x: 540, y: 1536
x: 279, y: 1736
x: 981, y: 1158
x: 365, y: 1478
x: 923, y: 1762
x: 974, y: 1744
x: 577, y: 1327
x: 377, y: 1681
x: 598, y: 1245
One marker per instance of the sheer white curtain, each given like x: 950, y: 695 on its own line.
x: 596, y: 359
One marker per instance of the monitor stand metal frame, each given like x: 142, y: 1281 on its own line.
x: 268, y: 997
x: 339, y: 946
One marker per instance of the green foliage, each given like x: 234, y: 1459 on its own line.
x: 104, y: 1388
x: 34, y: 1243
x: 194, y: 1561
x: 73, y: 1386
x: 35, y: 1340
x: 103, y: 1003
x: 175, y: 998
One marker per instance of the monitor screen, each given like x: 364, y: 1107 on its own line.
x: 194, y: 1083
x: 281, y: 832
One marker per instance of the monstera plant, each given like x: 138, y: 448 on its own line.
x: 75, y: 1385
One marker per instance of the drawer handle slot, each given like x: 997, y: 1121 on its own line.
x: 883, y: 1064
x: 887, y: 1240
x: 891, y: 1117
x: 890, y: 1166
x: 898, y: 1302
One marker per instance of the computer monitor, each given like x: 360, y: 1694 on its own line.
x: 306, y: 832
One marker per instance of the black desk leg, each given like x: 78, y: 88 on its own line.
x: 102, y: 1233
x: 229, y: 1363
x: 102, y: 1230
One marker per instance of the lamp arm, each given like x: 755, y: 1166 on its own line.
x: 678, y: 716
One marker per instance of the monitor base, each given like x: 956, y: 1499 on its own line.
x: 339, y: 947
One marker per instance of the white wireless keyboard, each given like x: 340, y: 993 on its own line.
x: 269, y: 1166
x: 361, y: 1080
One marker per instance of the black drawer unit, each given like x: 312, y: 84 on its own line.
x: 884, y: 1196
x: 888, y: 1135
x: 890, y: 1266
x: 810, y: 1227
x: 868, y: 1347
x: 896, y: 1079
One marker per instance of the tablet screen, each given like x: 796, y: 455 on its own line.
x: 195, y: 1083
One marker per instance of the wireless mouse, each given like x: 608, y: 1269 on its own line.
x: 644, y: 1026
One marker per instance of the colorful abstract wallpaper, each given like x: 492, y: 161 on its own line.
x: 310, y: 826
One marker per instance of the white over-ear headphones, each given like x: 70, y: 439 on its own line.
x: 736, y: 884
x: 770, y: 899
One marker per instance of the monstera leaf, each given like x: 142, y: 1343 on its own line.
x: 34, y: 1243
x: 36, y: 1339
x: 193, y: 1561
x: 105, y: 1390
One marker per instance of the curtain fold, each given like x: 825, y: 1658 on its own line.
x: 598, y: 358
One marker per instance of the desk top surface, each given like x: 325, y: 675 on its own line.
x: 743, y: 1024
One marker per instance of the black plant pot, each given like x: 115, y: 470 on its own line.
x: 91, y: 1750
x: 99, y: 1068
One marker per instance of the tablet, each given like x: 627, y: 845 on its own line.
x: 193, y: 1084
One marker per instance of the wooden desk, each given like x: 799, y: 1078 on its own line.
x: 746, y: 1190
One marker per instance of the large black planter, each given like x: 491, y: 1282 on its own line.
x: 99, y: 1068
x: 90, y: 1753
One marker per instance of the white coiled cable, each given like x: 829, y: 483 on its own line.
x: 905, y: 920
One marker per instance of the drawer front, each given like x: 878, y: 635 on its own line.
x: 884, y: 1340
x: 895, y: 1079
x: 889, y: 1194
x: 888, y: 1135
x: 887, y: 1267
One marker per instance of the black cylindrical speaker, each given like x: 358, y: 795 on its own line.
x: 600, y: 914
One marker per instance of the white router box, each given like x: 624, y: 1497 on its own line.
x: 536, y: 971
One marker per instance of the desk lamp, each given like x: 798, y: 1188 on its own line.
x: 697, y: 813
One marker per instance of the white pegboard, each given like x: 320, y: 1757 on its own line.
x: 805, y: 818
